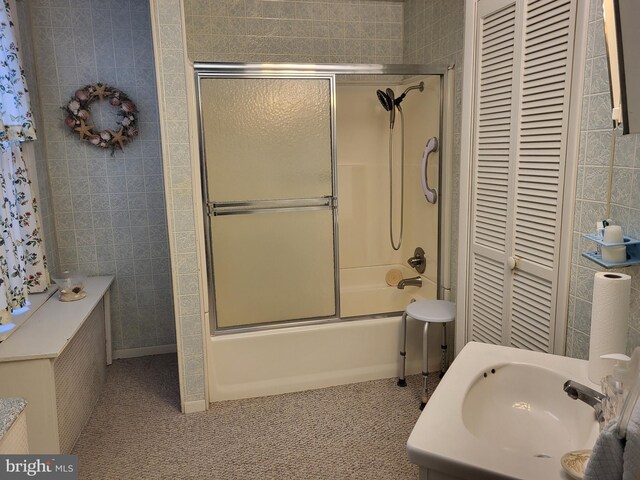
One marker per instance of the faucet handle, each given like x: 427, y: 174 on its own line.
x: 418, y: 261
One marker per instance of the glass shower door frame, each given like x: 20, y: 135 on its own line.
x: 212, y: 209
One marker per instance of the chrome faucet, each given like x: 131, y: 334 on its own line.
x: 577, y: 391
x: 414, y: 282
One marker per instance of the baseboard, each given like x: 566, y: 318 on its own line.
x: 194, y: 406
x: 144, y: 351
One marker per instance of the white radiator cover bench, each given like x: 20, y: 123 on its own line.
x: 57, y: 362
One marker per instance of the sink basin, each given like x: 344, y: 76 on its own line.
x: 502, y: 406
x: 501, y: 412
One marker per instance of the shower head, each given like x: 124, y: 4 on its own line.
x: 387, y: 99
x: 389, y: 102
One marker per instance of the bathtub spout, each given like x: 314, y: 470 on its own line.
x: 414, y: 282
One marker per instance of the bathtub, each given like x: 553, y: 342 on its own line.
x: 296, y: 358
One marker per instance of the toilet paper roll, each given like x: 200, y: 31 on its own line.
x: 614, y: 254
x: 613, y: 234
x: 609, y: 320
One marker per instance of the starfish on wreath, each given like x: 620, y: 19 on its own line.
x: 118, y: 137
x: 83, y: 129
x: 100, y: 91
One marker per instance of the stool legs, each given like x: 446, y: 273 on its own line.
x: 443, y: 345
x: 425, y: 366
x: 402, y: 382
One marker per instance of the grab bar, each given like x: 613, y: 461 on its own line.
x: 431, y: 194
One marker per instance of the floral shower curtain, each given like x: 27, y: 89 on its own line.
x: 23, y: 266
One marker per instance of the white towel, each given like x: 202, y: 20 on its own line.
x: 607, y: 456
x: 631, y: 454
x: 615, y: 459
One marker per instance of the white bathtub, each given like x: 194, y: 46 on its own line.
x: 270, y: 362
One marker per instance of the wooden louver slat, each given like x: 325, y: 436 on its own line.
x: 531, y: 312
x: 487, y: 294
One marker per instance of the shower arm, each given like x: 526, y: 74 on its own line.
x: 398, y: 100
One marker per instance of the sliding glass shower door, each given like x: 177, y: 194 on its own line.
x: 268, y: 165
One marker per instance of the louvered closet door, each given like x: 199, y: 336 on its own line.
x: 493, y: 167
x: 543, y: 119
x: 523, y: 52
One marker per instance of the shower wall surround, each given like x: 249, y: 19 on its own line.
x: 434, y: 35
x: 109, y: 210
x: 335, y: 31
x: 591, y: 195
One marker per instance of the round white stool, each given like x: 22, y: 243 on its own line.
x: 427, y: 311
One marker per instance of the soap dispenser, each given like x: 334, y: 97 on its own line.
x: 616, y: 386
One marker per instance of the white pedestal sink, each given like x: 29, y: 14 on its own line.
x: 501, y: 413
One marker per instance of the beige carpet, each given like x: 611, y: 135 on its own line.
x: 356, y: 431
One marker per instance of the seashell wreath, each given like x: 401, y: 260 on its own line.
x: 78, y: 110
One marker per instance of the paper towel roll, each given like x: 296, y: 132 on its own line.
x: 609, y: 320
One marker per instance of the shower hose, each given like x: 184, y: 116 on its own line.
x: 393, y: 243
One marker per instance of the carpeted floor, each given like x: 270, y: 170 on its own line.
x: 356, y: 431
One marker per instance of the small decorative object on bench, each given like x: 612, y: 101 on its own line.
x: 71, y: 285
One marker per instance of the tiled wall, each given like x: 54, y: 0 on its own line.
x: 434, y: 35
x: 593, y: 176
x: 434, y: 31
x: 181, y: 215
x: 337, y: 31
x: 109, y: 210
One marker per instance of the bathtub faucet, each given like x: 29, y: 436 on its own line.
x: 418, y: 261
x: 577, y: 391
x: 414, y: 282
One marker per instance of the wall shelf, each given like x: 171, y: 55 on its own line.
x: 633, y: 251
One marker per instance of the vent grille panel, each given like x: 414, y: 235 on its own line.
x: 80, y: 372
